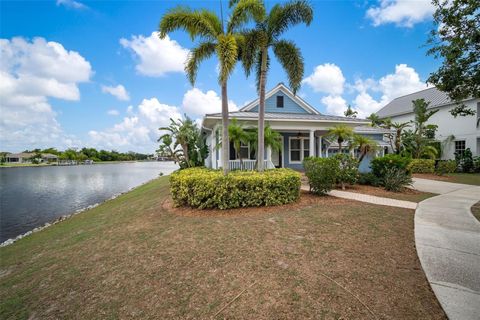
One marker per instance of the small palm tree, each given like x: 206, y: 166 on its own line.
x: 180, y: 132
x: 341, y: 133
x: 215, y: 40
x: 375, y: 120
x: 399, y: 127
x: 350, y: 113
x: 237, y: 136
x: 255, y: 53
x: 365, y: 145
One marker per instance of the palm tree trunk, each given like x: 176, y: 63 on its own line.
x: 261, y: 112
x: 225, y: 141
x: 361, y: 157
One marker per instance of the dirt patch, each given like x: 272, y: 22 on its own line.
x: 407, y: 194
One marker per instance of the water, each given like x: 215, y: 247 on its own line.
x: 33, y: 196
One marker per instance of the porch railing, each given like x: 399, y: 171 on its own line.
x: 246, y: 164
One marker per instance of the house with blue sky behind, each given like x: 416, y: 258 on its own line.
x: 95, y: 73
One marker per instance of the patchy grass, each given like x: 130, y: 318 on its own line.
x: 133, y: 257
x: 407, y: 194
x: 466, y: 178
x: 476, y: 210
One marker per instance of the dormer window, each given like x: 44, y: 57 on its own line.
x: 279, y: 101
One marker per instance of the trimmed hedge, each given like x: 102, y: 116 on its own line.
x: 205, y: 188
x: 322, y: 173
x: 382, y: 164
x: 446, y: 166
x: 421, y: 166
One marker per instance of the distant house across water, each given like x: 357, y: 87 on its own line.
x: 26, y: 157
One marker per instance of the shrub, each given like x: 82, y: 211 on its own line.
x: 421, y: 166
x: 465, y: 161
x: 396, y: 179
x: 348, y: 169
x: 321, y: 173
x: 446, y: 166
x: 368, y: 178
x: 381, y: 164
x: 204, y: 188
x: 476, y: 164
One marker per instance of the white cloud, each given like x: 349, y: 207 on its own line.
x: 365, y: 105
x: 138, y: 131
x: 113, y: 112
x: 71, y: 4
x: 130, y: 110
x: 403, y: 13
x: 30, y: 73
x: 327, y: 78
x: 336, y: 105
x: 156, y: 56
x: 118, y: 92
x: 198, y: 103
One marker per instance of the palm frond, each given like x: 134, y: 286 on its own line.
x: 244, y: 11
x: 196, y: 23
x: 195, y: 57
x: 227, y: 53
x: 291, y: 60
x: 249, y: 49
x: 289, y: 14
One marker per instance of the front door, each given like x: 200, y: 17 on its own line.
x: 277, y: 157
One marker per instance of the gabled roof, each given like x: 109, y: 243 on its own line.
x: 403, y: 105
x: 281, y: 87
x: 248, y: 115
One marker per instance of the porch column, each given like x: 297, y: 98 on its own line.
x: 312, y: 143
x: 213, y: 151
x: 219, y: 160
x: 320, y: 146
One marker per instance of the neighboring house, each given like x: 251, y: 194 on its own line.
x: 25, y: 157
x: 455, y: 134
x: 301, y: 126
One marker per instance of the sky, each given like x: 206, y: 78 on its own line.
x: 95, y: 73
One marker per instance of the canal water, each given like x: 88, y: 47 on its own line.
x: 33, y: 196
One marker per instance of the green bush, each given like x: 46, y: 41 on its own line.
x: 476, y: 164
x: 322, y: 173
x: 348, y: 171
x: 421, y: 166
x: 396, y: 179
x: 204, y: 188
x: 381, y: 164
x: 446, y: 166
x: 368, y: 178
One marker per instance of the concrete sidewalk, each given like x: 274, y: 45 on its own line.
x: 447, y: 238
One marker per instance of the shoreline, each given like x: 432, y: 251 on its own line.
x: 70, y: 215
x: 31, y: 165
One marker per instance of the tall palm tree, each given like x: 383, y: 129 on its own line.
x: 215, y: 39
x: 422, y: 115
x: 341, y: 133
x: 399, y: 127
x: 255, y: 53
x: 364, y: 144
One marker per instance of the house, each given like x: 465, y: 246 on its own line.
x: 454, y: 134
x: 26, y: 157
x: 301, y: 126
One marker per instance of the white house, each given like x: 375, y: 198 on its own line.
x: 455, y: 134
x: 301, y: 126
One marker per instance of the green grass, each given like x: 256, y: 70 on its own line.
x: 13, y: 165
x: 132, y: 258
x: 476, y: 210
x: 466, y: 178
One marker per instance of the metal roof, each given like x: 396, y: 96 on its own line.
x: 286, y: 116
x: 402, y: 105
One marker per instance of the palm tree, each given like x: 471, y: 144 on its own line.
x: 216, y: 39
x: 375, y: 120
x: 237, y: 136
x: 399, y: 126
x: 341, y: 133
x: 364, y: 145
x: 422, y: 115
x: 350, y: 113
x: 180, y: 132
x: 255, y: 53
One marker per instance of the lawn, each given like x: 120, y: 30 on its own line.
x: 476, y: 210
x: 134, y: 257
x: 406, y: 195
x: 466, y: 178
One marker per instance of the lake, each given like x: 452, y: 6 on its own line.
x: 33, y: 196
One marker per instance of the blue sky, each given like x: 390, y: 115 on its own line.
x: 80, y: 73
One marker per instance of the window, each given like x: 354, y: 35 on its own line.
x: 460, y: 147
x: 299, y: 149
x: 279, y: 101
x: 245, y: 150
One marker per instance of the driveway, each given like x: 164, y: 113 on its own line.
x: 447, y: 238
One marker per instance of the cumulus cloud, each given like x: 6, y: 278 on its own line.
x: 138, y: 131
x: 336, y: 105
x: 198, y: 103
x: 113, y: 112
x: 118, y: 92
x: 71, y: 4
x: 30, y: 73
x: 405, y: 13
x: 156, y: 57
x: 327, y: 78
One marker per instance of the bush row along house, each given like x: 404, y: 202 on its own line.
x: 455, y: 134
x: 302, y: 128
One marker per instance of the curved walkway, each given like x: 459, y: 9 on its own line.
x: 447, y: 238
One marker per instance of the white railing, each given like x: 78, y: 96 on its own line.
x: 246, y: 164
